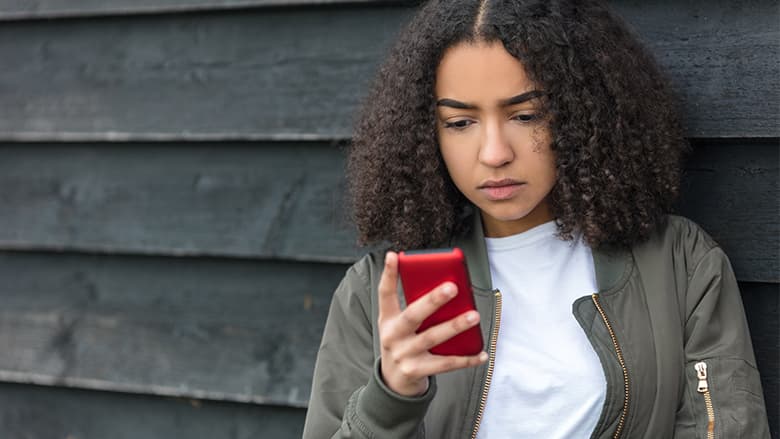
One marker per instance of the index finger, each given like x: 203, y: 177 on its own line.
x: 388, y: 287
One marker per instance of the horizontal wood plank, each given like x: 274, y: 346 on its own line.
x: 241, y: 200
x: 731, y: 189
x: 224, y: 330
x: 277, y: 74
x: 718, y: 48
x: 228, y: 330
x: 299, y: 73
x: 286, y: 200
x: 38, y: 412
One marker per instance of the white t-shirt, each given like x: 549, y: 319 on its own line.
x: 547, y: 380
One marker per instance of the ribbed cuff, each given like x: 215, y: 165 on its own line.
x: 383, y: 409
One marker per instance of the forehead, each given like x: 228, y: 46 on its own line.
x: 480, y: 72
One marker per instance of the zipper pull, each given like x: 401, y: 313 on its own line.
x: 701, y: 373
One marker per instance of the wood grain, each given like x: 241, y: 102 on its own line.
x: 42, y: 412
x: 732, y: 190
x: 286, y: 200
x: 276, y: 200
x: 299, y: 73
x: 275, y: 74
x: 242, y: 331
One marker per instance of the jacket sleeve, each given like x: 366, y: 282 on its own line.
x: 348, y: 398
x: 724, y: 400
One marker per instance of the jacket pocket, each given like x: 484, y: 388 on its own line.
x: 724, y: 398
x: 703, y: 388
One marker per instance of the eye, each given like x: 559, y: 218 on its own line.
x: 461, y: 124
x: 525, y: 117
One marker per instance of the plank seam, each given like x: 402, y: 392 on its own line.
x: 117, y: 136
x: 190, y: 8
x: 179, y: 253
x: 157, y: 390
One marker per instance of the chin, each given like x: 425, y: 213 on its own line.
x: 507, y: 215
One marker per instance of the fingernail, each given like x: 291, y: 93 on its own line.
x: 472, y: 317
x: 449, y: 290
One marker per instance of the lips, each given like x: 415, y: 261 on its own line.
x: 497, y: 190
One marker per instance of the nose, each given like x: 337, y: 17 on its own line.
x: 495, y: 150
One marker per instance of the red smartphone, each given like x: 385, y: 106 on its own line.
x: 423, y: 270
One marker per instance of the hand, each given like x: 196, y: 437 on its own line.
x: 406, y: 363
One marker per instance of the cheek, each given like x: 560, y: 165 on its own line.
x: 534, y: 137
x: 548, y: 168
x: 452, y: 166
x: 458, y: 162
x: 541, y: 141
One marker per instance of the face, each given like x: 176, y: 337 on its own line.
x: 494, y: 141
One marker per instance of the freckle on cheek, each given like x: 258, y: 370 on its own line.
x: 537, y: 143
x: 539, y: 139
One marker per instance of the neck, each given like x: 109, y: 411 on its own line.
x: 495, y: 228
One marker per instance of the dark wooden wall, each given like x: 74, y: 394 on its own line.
x: 171, y: 177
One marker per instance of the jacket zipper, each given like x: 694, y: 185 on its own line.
x: 491, y: 364
x: 704, y: 389
x: 619, y: 352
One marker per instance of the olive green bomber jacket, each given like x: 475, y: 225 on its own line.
x: 667, y: 324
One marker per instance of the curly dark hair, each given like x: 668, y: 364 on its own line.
x: 616, y: 133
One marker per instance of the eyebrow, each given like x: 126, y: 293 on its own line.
x: 519, y: 99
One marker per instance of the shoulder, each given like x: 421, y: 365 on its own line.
x: 366, y: 270
x: 687, y: 234
x: 681, y: 240
x: 361, y: 279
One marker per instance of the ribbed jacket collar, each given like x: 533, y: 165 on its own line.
x: 610, y: 266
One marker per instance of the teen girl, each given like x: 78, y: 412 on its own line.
x: 539, y: 137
